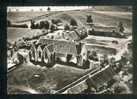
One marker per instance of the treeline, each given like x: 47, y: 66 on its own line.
x: 45, y: 24
x: 107, y: 34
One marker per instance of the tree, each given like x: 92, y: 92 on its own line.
x: 46, y: 25
x: 56, y: 21
x: 89, y: 19
x: 32, y: 26
x: 91, y: 31
x: 93, y: 55
x: 53, y: 21
x: 66, y: 27
x: 120, y: 88
x: 48, y: 9
x: 37, y: 25
x: 121, y: 27
x: 53, y: 28
x: 42, y: 24
x: 83, y: 33
x: 91, y: 87
x: 73, y: 22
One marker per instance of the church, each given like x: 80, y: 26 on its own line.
x: 49, y: 51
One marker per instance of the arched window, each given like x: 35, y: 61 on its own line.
x: 46, y: 60
x: 33, y: 53
x: 39, y: 54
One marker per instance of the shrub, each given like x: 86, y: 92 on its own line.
x: 121, y: 27
x: 89, y: 19
x: 32, y: 24
x: 73, y: 22
x: 53, y: 28
x: 66, y: 27
x: 48, y: 9
x: 46, y: 25
x: 41, y: 24
x: 55, y: 21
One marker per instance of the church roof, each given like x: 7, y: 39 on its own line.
x: 65, y: 47
x: 59, y: 46
x: 72, y: 35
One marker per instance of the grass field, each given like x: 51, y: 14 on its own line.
x: 14, y: 34
x: 52, y: 78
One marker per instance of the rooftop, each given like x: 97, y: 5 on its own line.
x: 60, y: 46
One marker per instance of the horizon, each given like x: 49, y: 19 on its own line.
x: 44, y: 8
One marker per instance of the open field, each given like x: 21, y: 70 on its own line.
x: 14, y: 34
x: 52, y: 78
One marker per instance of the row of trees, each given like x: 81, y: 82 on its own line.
x: 42, y: 24
x: 46, y: 24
